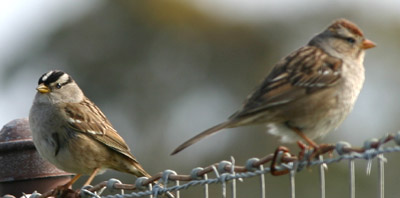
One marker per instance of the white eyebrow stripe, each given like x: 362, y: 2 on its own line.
x: 44, y: 78
x: 63, y: 78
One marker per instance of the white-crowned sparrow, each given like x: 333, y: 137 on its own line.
x: 71, y: 132
x: 309, y: 92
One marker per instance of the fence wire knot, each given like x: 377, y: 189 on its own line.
x: 222, y: 166
x: 195, y: 173
x: 111, y: 182
x: 250, y: 164
x: 139, y: 183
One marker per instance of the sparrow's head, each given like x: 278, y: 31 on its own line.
x: 57, y: 86
x: 343, y: 39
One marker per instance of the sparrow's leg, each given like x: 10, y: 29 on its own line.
x: 91, y: 177
x: 302, y: 135
x: 72, y: 181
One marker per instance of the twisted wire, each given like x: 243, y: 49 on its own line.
x: 226, y: 171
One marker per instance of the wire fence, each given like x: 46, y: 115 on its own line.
x: 226, y: 173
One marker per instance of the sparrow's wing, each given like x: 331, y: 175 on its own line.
x: 85, y: 117
x: 305, y: 71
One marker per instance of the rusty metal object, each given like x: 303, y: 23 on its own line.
x: 21, y: 167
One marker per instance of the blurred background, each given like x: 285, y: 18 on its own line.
x: 162, y: 71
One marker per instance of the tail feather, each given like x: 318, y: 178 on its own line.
x: 137, y: 169
x: 202, y: 135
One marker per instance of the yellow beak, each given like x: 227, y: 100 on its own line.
x: 42, y: 88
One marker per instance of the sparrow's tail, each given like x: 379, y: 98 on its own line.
x: 203, y: 134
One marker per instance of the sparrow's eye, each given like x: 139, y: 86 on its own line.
x: 58, y: 86
x: 350, y: 40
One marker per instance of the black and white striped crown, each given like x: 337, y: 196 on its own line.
x: 55, y: 76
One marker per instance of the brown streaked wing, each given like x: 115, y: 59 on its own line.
x: 305, y: 70
x: 87, y: 118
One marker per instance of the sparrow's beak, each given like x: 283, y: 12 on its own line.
x: 42, y: 88
x: 366, y: 44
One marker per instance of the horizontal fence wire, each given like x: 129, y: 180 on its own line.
x: 227, y: 172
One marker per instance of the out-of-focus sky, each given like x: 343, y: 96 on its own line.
x: 259, y: 10
x: 25, y: 25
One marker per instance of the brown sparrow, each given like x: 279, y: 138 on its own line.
x: 72, y: 133
x: 309, y: 92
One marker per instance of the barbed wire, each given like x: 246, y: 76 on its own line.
x: 281, y: 162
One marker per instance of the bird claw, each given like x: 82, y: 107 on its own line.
x: 64, y: 191
x: 316, y: 151
x: 306, y: 153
